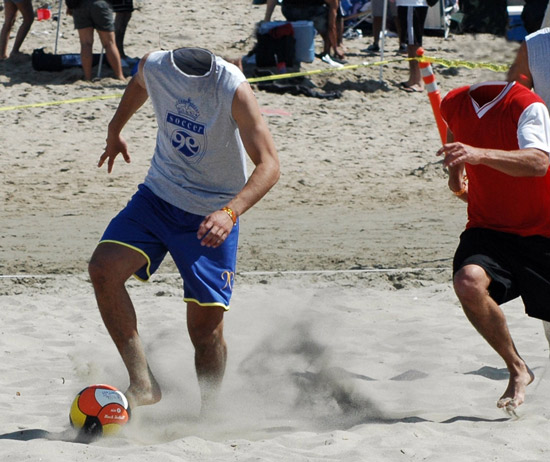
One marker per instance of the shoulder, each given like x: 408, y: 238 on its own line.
x: 230, y: 68
x: 455, y: 95
x: 539, y: 35
x: 523, y: 96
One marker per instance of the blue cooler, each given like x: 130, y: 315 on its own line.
x: 304, y: 34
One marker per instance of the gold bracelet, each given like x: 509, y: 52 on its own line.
x: 464, y: 187
x: 231, y: 214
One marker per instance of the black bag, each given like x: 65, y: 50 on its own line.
x: 431, y: 2
x: 42, y: 61
x: 276, y: 46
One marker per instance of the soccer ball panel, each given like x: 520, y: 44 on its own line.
x: 99, y: 409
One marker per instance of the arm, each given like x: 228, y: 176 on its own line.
x: 260, y: 148
x: 133, y: 98
x: 270, y: 6
x: 519, y: 70
x: 520, y: 163
x: 530, y: 160
x: 457, y: 175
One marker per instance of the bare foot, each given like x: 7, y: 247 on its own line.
x: 143, y: 395
x: 515, y: 392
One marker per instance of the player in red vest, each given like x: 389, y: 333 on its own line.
x: 498, y: 156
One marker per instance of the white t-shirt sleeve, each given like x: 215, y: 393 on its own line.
x: 534, y: 128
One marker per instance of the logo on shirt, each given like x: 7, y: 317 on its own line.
x: 188, y: 136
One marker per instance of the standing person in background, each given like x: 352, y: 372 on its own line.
x: 532, y: 69
x: 90, y: 15
x: 377, y: 18
x: 533, y: 14
x: 323, y: 13
x: 11, y: 7
x: 123, y: 13
x: 412, y: 16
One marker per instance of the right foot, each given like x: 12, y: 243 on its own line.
x: 143, y: 396
x: 515, y: 392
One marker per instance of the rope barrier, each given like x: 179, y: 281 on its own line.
x: 423, y: 59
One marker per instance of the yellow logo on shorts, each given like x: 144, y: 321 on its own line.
x: 229, y: 278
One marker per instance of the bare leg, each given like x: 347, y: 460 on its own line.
x: 27, y: 12
x: 121, y: 23
x: 111, y: 265
x: 10, y: 12
x: 415, y: 78
x: 205, y: 325
x: 111, y: 51
x: 376, y: 29
x: 471, y: 284
x: 86, y: 36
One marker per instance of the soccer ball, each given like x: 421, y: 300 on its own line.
x: 99, y: 410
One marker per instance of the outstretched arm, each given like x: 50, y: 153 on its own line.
x: 260, y: 148
x: 133, y: 98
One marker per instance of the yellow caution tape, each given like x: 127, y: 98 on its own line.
x: 57, y: 103
x: 443, y: 62
x: 467, y: 64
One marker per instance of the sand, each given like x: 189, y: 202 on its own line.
x: 346, y: 341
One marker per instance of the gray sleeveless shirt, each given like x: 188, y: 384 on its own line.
x: 199, y: 162
x: 538, y: 51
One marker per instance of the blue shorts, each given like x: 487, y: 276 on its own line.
x: 153, y: 227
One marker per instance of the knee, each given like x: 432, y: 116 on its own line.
x: 470, y: 282
x: 98, y: 269
x: 28, y: 20
x: 86, y: 46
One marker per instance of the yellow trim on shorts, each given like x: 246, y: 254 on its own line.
x: 148, y: 270
x: 225, y: 307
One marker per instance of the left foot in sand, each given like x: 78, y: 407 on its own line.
x: 515, y: 392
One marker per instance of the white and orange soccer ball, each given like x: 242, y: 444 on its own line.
x: 99, y: 410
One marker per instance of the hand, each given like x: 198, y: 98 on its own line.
x: 459, y: 153
x: 215, y: 228
x: 115, y: 145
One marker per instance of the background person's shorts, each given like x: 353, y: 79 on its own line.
x: 153, y: 227
x: 517, y: 266
x: 122, y: 6
x: 411, y: 20
x: 94, y: 13
x: 317, y: 13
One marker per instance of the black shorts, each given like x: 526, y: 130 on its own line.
x: 411, y: 20
x: 517, y: 266
x: 122, y: 6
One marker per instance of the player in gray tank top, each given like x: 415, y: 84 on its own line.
x: 532, y: 69
x: 196, y: 188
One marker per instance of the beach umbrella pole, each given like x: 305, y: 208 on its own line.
x: 382, y: 39
x: 58, y: 24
